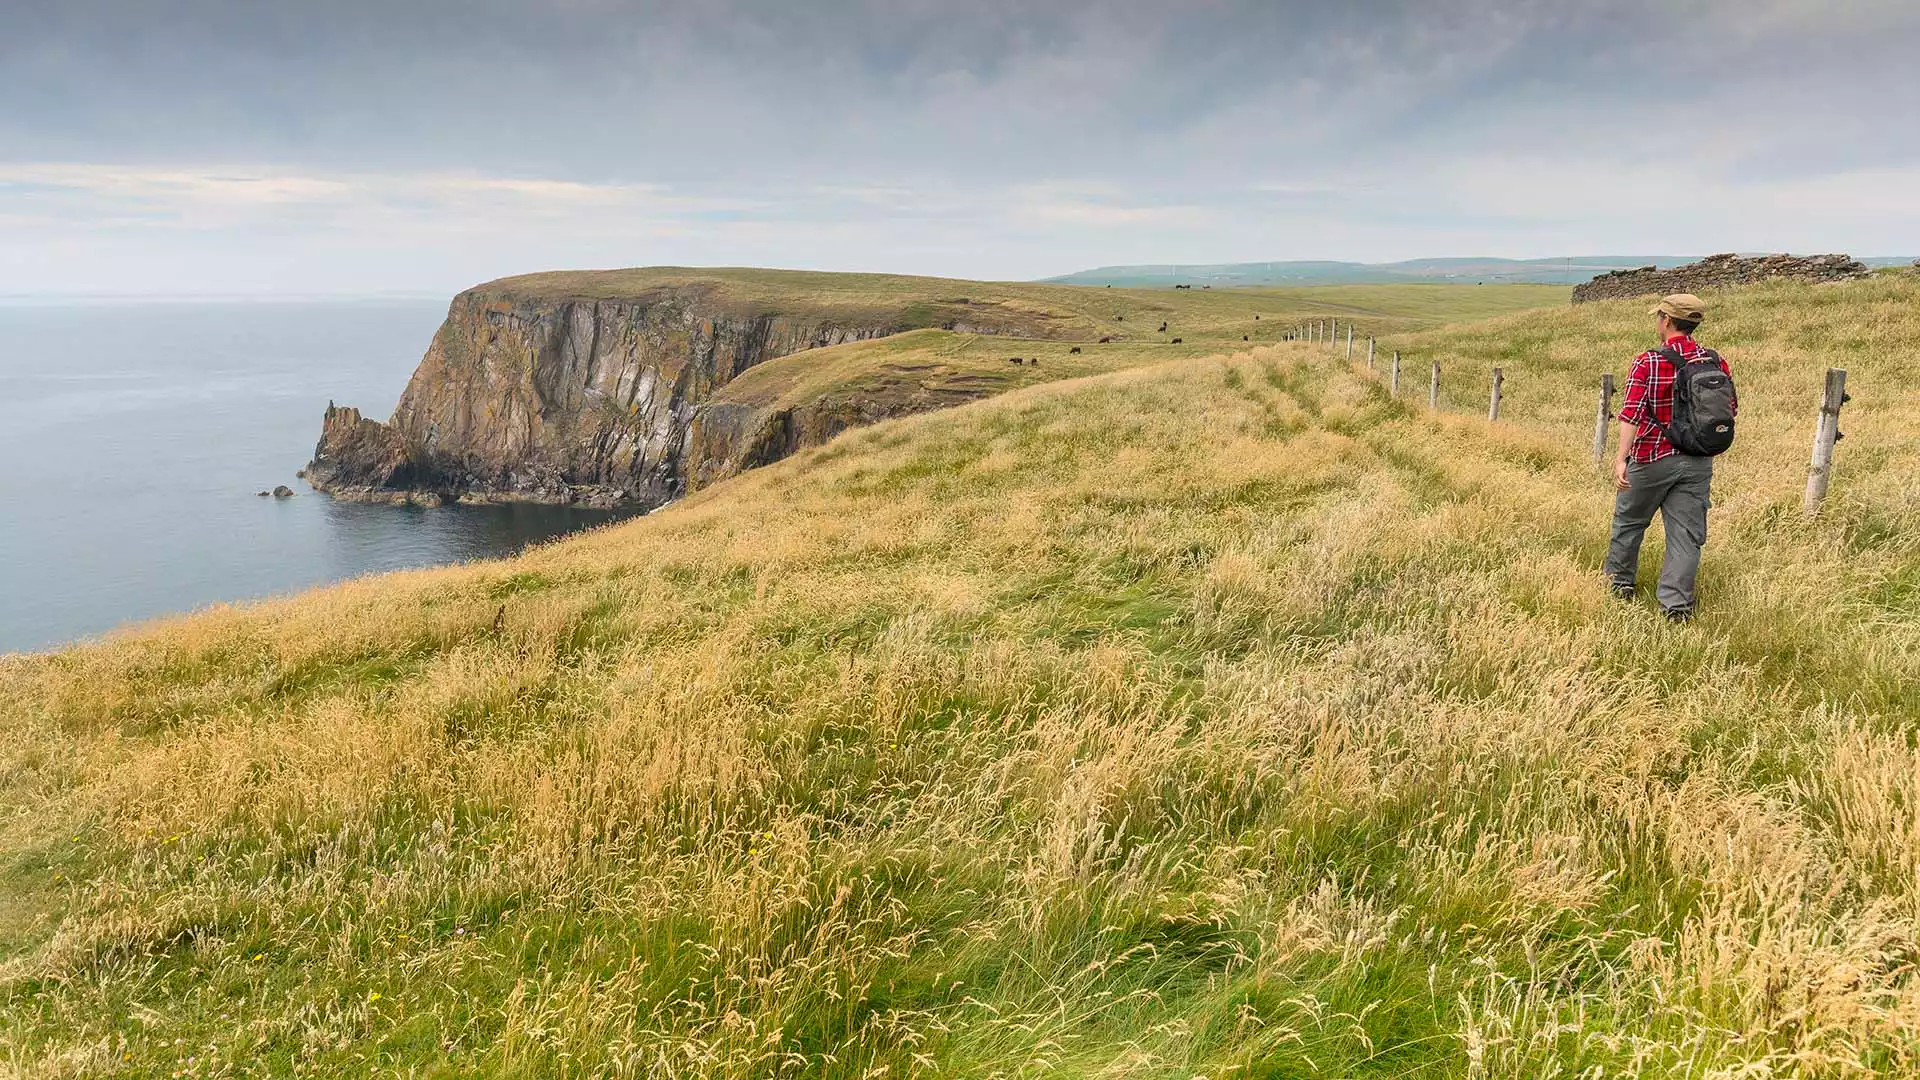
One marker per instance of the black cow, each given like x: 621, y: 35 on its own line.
x: 1176, y: 341
x: 1075, y: 351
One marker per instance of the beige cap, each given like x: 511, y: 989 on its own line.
x: 1683, y: 306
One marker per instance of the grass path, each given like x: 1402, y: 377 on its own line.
x: 1218, y: 717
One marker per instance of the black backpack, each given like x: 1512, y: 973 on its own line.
x: 1703, y: 401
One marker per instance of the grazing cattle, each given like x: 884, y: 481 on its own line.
x: 1163, y: 328
x: 1075, y: 351
x: 1176, y: 341
x: 1119, y: 318
x: 1243, y: 337
x: 1256, y: 318
x: 1034, y: 360
x: 1015, y: 360
x: 1104, y: 340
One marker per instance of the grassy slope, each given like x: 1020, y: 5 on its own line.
x: 1071, y: 309
x: 1221, y: 718
x: 1206, y: 321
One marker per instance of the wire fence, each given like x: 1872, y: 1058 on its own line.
x: 1826, y: 431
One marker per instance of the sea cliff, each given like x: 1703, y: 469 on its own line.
x: 582, y: 388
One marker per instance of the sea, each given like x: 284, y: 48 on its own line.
x: 134, y: 437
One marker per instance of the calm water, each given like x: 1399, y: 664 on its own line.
x: 134, y: 436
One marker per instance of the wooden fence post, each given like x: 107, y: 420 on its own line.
x: 1493, y: 403
x: 1394, y: 381
x: 1333, y: 334
x: 1433, y: 388
x: 1603, y: 419
x: 1349, y: 343
x: 1825, y: 433
x: 1369, y: 354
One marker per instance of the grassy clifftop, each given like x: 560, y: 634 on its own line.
x: 1221, y: 717
x: 800, y: 400
x: 1206, y: 322
x: 1047, y: 310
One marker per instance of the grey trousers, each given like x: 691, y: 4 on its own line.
x: 1679, y: 487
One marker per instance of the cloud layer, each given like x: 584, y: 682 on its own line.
x: 357, y: 147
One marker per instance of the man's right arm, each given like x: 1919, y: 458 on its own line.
x: 1633, y: 410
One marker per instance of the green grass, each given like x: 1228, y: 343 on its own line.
x: 1057, y: 332
x: 1037, y: 310
x: 1217, y: 717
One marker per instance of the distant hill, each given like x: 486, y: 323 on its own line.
x: 1561, y: 271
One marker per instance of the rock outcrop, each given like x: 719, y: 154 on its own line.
x: 728, y: 437
x: 368, y: 461
x: 582, y: 388
x: 1718, y: 272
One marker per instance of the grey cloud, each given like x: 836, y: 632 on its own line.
x: 599, y: 88
x: 925, y: 135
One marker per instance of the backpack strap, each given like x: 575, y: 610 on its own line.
x: 1672, y: 356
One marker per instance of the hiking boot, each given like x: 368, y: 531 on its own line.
x: 1620, y: 592
x: 1679, y: 616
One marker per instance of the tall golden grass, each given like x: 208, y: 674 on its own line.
x: 1224, y: 717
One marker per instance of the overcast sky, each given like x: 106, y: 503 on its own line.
x: 372, y: 146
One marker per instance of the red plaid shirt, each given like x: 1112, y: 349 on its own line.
x: 1648, y: 405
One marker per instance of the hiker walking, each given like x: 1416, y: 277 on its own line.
x: 1677, y: 415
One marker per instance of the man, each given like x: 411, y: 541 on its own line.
x: 1652, y: 475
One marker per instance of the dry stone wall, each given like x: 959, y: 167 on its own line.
x: 1718, y: 272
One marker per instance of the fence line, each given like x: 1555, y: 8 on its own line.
x: 1824, y: 437
x: 1826, y: 430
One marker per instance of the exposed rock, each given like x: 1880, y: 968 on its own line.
x: 263, y: 494
x: 363, y: 459
x: 1718, y: 272
x: 283, y: 492
x: 585, y: 395
x: 728, y: 438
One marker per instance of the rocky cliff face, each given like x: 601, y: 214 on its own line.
x: 582, y: 399
x: 364, y: 459
x: 730, y: 437
x: 1718, y: 272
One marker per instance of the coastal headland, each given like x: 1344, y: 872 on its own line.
x: 631, y: 387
